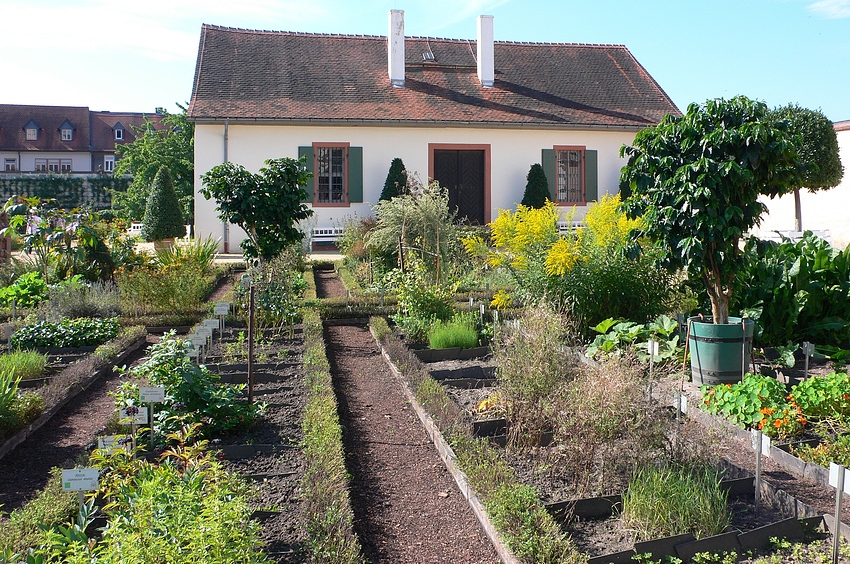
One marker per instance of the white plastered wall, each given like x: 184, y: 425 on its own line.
x: 824, y: 210
x: 512, y: 152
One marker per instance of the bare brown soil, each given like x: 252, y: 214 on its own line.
x: 406, y: 504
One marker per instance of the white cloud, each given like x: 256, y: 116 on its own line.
x: 832, y: 9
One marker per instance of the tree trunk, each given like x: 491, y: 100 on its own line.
x: 719, y: 299
x: 798, y: 212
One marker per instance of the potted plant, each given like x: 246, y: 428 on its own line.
x: 696, y: 180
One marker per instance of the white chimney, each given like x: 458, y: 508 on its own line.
x: 486, y: 64
x: 395, y: 48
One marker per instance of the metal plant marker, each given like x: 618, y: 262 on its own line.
x: 839, y: 480
x: 808, y: 350
x: 761, y: 444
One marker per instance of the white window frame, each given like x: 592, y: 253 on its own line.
x: 119, y: 134
x: 67, y: 134
x: 32, y: 134
x: 66, y: 165
x: 41, y: 165
x: 10, y: 165
x: 109, y: 163
x: 53, y: 165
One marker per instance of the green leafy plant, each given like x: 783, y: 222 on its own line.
x: 199, y: 252
x: 824, y: 397
x: 537, y: 187
x: 16, y: 409
x: 828, y: 451
x: 79, y: 332
x: 461, y: 331
x: 665, y: 500
x: 25, y: 365
x: 175, y: 289
x: 696, y: 180
x: 396, y: 182
x: 163, y: 217
x: 797, y: 291
x: 267, y: 206
x: 27, y: 291
x: 420, y: 303
x: 618, y: 336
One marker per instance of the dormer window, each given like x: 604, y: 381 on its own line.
x: 31, y: 129
x: 119, y: 132
x: 66, y: 131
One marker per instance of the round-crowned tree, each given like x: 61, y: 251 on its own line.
x: 396, y: 181
x: 163, y: 214
x: 537, y: 188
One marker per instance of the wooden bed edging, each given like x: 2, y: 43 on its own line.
x: 450, y: 460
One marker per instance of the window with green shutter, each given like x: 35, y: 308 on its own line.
x: 572, y: 174
x: 337, y: 173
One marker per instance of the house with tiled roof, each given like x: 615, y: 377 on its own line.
x: 63, y: 139
x: 472, y: 114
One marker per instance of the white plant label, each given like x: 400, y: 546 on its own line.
x: 653, y: 348
x: 222, y: 308
x: 765, y: 442
x: 214, y: 324
x: 682, y: 401
x: 198, y: 340
x: 151, y: 394
x: 808, y: 348
x: 108, y: 442
x: 205, y: 332
x: 834, y: 470
x: 79, y: 479
x: 140, y: 418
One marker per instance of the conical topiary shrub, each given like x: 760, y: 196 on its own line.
x: 537, y: 188
x: 163, y: 216
x: 396, y: 181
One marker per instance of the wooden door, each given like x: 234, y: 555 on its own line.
x: 461, y: 172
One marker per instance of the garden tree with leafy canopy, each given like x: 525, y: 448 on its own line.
x: 170, y: 144
x: 396, y: 182
x: 695, y: 179
x: 267, y: 205
x: 537, y: 188
x: 163, y: 217
x: 817, y: 146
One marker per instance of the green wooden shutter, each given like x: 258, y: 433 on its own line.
x: 355, y: 174
x: 308, y: 152
x: 548, y: 162
x: 591, y: 177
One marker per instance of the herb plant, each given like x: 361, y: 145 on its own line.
x: 79, y: 332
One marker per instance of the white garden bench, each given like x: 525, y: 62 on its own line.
x: 325, y: 238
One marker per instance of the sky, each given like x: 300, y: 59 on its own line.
x: 127, y: 55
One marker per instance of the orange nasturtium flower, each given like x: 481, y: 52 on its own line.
x: 766, y: 411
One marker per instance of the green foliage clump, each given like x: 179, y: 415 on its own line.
x: 279, y: 285
x: 171, y: 145
x: 50, y: 507
x: 824, y: 397
x: 28, y: 290
x: 460, y: 331
x: 267, y: 205
x: 25, y: 365
x: 615, y: 337
x: 163, y: 217
x: 396, y: 182
x: 193, y: 393
x: 835, y: 451
x: 16, y: 410
x: 537, y: 187
x: 696, y: 180
x: 796, y: 291
x: 665, y: 500
x: 176, y: 288
x: 420, y: 303
x: 76, y: 298
x: 198, y: 252
x: 79, y: 332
